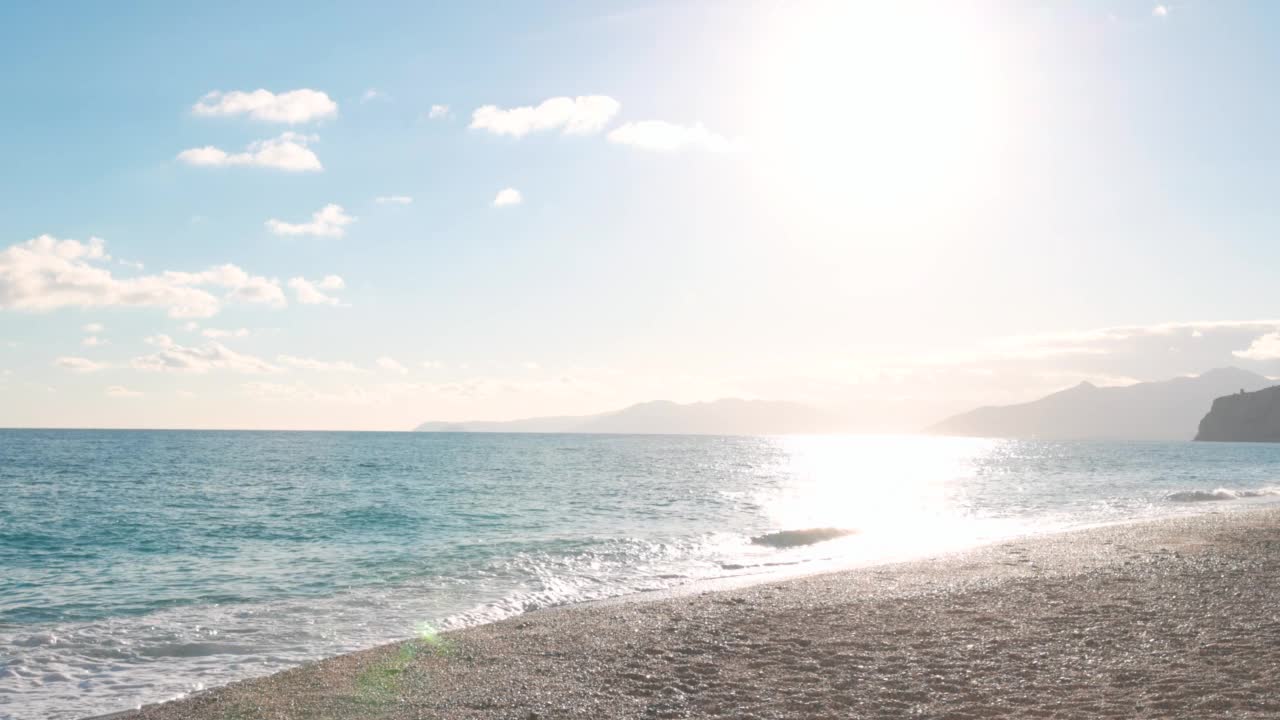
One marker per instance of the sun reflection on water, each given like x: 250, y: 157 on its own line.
x: 906, y: 492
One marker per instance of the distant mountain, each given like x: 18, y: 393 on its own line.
x: 721, y: 417
x: 1166, y: 410
x: 1243, y: 417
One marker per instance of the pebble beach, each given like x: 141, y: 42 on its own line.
x: 1167, y: 618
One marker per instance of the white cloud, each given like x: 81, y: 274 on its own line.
x: 243, y: 286
x: 78, y: 364
x: 216, y: 333
x: 302, y: 363
x: 391, y: 365
x: 1160, y: 11
x: 292, y: 107
x: 93, y: 328
x: 372, y: 94
x: 172, y: 357
x: 438, y: 111
x: 120, y: 391
x: 669, y: 137
x: 329, y: 221
x: 507, y: 197
x: 312, y: 293
x: 1264, y: 347
x: 45, y: 274
x: 393, y: 200
x: 93, y: 341
x: 582, y: 115
x: 287, y: 152
x: 432, y: 364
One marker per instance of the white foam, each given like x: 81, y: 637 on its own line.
x: 1221, y: 494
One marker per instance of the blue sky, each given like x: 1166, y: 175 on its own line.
x: 898, y: 208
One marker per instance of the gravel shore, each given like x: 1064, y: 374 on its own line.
x: 1173, y: 618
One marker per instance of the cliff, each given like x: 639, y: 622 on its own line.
x: 1243, y: 417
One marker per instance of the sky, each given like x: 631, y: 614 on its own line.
x: 335, y: 216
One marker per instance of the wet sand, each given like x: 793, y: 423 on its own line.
x: 1174, y: 618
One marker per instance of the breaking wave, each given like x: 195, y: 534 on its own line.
x: 1219, y: 495
x: 798, y: 538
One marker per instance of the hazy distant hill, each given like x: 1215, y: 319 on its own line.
x: 1243, y: 417
x: 1166, y: 410
x: 721, y: 417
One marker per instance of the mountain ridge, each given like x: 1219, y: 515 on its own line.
x: 726, y: 416
x: 1158, y: 410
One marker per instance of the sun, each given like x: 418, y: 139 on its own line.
x: 884, y: 110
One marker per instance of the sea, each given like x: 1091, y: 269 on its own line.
x: 141, y: 566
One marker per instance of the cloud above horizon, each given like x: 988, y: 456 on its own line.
x: 46, y: 273
x: 78, y: 364
x: 661, y: 136
x: 172, y: 357
x: 507, y: 197
x: 303, y: 363
x: 287, y: 152
x: 314, y: 293
x: 293, y: 107
x: 329, y: 221
x: 392, y: 365
x: 1263, y: 347
x: 583, y: 115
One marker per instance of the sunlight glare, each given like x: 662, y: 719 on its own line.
x: 881, y: 107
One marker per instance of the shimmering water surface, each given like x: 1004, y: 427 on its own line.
x: 136, y: 566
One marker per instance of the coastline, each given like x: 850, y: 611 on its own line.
x: 1134, y: 620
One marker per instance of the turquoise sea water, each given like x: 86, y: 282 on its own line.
x: 136, y: 566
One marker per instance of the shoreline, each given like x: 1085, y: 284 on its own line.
x: 1131, y: 620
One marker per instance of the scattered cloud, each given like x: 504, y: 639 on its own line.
x: 393, y: 200
x: 302, y: 363
x: 507, y: 197
x: 120, y: 391
x: 313, y: 293
x: 1160, y: 11
x: 93, y: 341
x: 79, y: 364
x: 292, y: 107
x: 372, y: 94
x: 46, y: 274
x: 391, y: 365
x: 668, y: 137
x: 287, y: 152
x: 216, y: 333
x: 582, y: 115
x: 172, y: 357
x: 432, y: 364
x: 93, y: 328
x: 329, y: 221
x: 437, y: 112
x: 1263, y: 347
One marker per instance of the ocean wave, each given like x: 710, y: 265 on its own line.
x: 798, y: 538
x: 1220, y: 494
